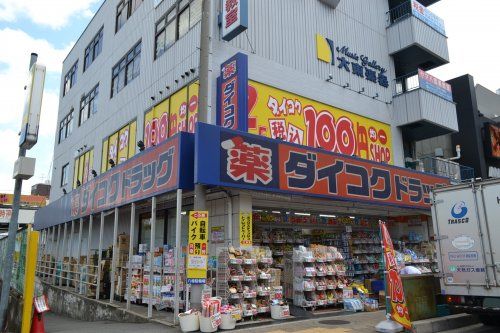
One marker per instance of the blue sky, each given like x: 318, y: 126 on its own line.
x: 50, y: 28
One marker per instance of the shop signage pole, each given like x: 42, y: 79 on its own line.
x: 152, y: 256
x: 114, y: 258
x: 89, y: 253
x: 177, y: 253
x: 79, y: 254
x: 130, y: 253
x: 70, y: 252
x: 99, y: 258
x: 63, y: 252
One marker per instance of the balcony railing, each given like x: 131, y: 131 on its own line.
x: 406, y: 83
x: 417, y: 10
x: 456, y: 172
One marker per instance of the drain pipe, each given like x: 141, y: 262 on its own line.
x: 230, y: 217
x: 459, y: 155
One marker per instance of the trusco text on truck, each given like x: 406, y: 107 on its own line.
x: 466, y: 221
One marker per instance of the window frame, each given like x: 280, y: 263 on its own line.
x: 66, y: 126
x: 88, y: 101
x: 122, y: 66
x: 164, y: 19
x: 70, y: 78
x: 90, y: 50
x: 64, y: 175
x: 131, y: 7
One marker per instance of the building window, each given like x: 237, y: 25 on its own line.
x: 127, y: 69
x: 182, y: 17
x: 82, y: 172
x: 66, y: 126
x: 88, y: 105
x: 119, y: 146
x: 124, y: 10
x: 70, y: 78
x: 64, y: 175
x: 93, y: 50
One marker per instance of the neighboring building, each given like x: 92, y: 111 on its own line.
x: 41, y: 189
x: 478, y: 110
x: 338, y: 78
x: 29, y: 205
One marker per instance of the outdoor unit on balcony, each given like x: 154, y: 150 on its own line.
x: 331, y: 3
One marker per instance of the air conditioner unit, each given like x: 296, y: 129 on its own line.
x: 331, y: 3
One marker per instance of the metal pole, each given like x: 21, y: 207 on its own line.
x: 79, y: 254
x: 177, y: 253
x: 115, y: 258
x: 63, y: 252
x: 99, y: 256
x: 89, y: 254
x: 57, y: 253
x: 130, y: 254
x: 11, y: 240
x: 152, y: 255
x: 70, y: 252
x: 51, y: 253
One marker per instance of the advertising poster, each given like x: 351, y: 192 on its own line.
x: 193, y: 106
x: 197, y: 259
x: 246, y: 229
x: 434, y: 85
x: 178, y: 112
x: 399, y: 310
x: 282, y: 115
x: 425, y: 15
x: 493, y: 133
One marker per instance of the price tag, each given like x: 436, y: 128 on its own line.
x: 216, y: 320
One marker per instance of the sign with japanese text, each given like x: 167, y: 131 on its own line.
x: 217, y: 235
x: 348, y: 60
x: 152, y: 172
x: 282, y: 115
x: 425, y: 15
x: 399, y: 310
x: 254, y: 162
x: 246, y: 229
x: 178, y: 113
x: 232, y: 93
x: 234, y: 18
x: 26, y: 200
x: 197, y: 256
x: 5, y: 215
x: 434, y: 85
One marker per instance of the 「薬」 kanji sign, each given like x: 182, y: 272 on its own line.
x: 395, y: 290
x: 197, y: 256
x: 246, y: 229
x: 236, y: 159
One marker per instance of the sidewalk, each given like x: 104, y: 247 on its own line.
x: 359, y: 322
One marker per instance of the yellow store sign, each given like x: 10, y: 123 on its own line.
x: 245, y: 229
x: 279, y: 114
x: 197, y: 257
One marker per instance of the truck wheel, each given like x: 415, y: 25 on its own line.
x: 489, y: 320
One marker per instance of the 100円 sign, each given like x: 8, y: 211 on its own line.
x: 197, y: 257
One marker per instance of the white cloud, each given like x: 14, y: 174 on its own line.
x: 473, y: 33
x: 52, y: 13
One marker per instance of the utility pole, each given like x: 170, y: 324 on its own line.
x: 13, y: 225
x: 204, y: 113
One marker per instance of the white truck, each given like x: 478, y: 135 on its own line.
x: 466, y: 221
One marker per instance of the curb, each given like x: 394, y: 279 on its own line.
x: 444, y: 323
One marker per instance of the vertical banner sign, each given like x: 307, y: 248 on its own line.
x: 399, y: 310
x: 434, y: 85
x: 232, y: 94
x: 234, y: 18
x: 32, y: 107
x: 246, y: 229
x: 197, y: 258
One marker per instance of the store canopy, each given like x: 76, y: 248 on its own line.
x: 154, y: 171
x: 240, y: 160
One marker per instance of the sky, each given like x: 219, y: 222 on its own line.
x: 51, y: 27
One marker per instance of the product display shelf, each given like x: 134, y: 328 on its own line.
x: 264, y: 289
x: 366, y: 254
x: 167, y: 292
x: 304, y: 272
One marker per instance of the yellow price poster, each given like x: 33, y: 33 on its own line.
x: 245, y: 229
x: 197, y: 258
x: 282, y: 115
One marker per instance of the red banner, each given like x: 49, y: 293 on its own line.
x: 399, y: 310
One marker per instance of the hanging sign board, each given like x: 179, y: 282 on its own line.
x: 234, y: 18
x: 245, y: 229
x: 197, y: 258
x: 32, y: 107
